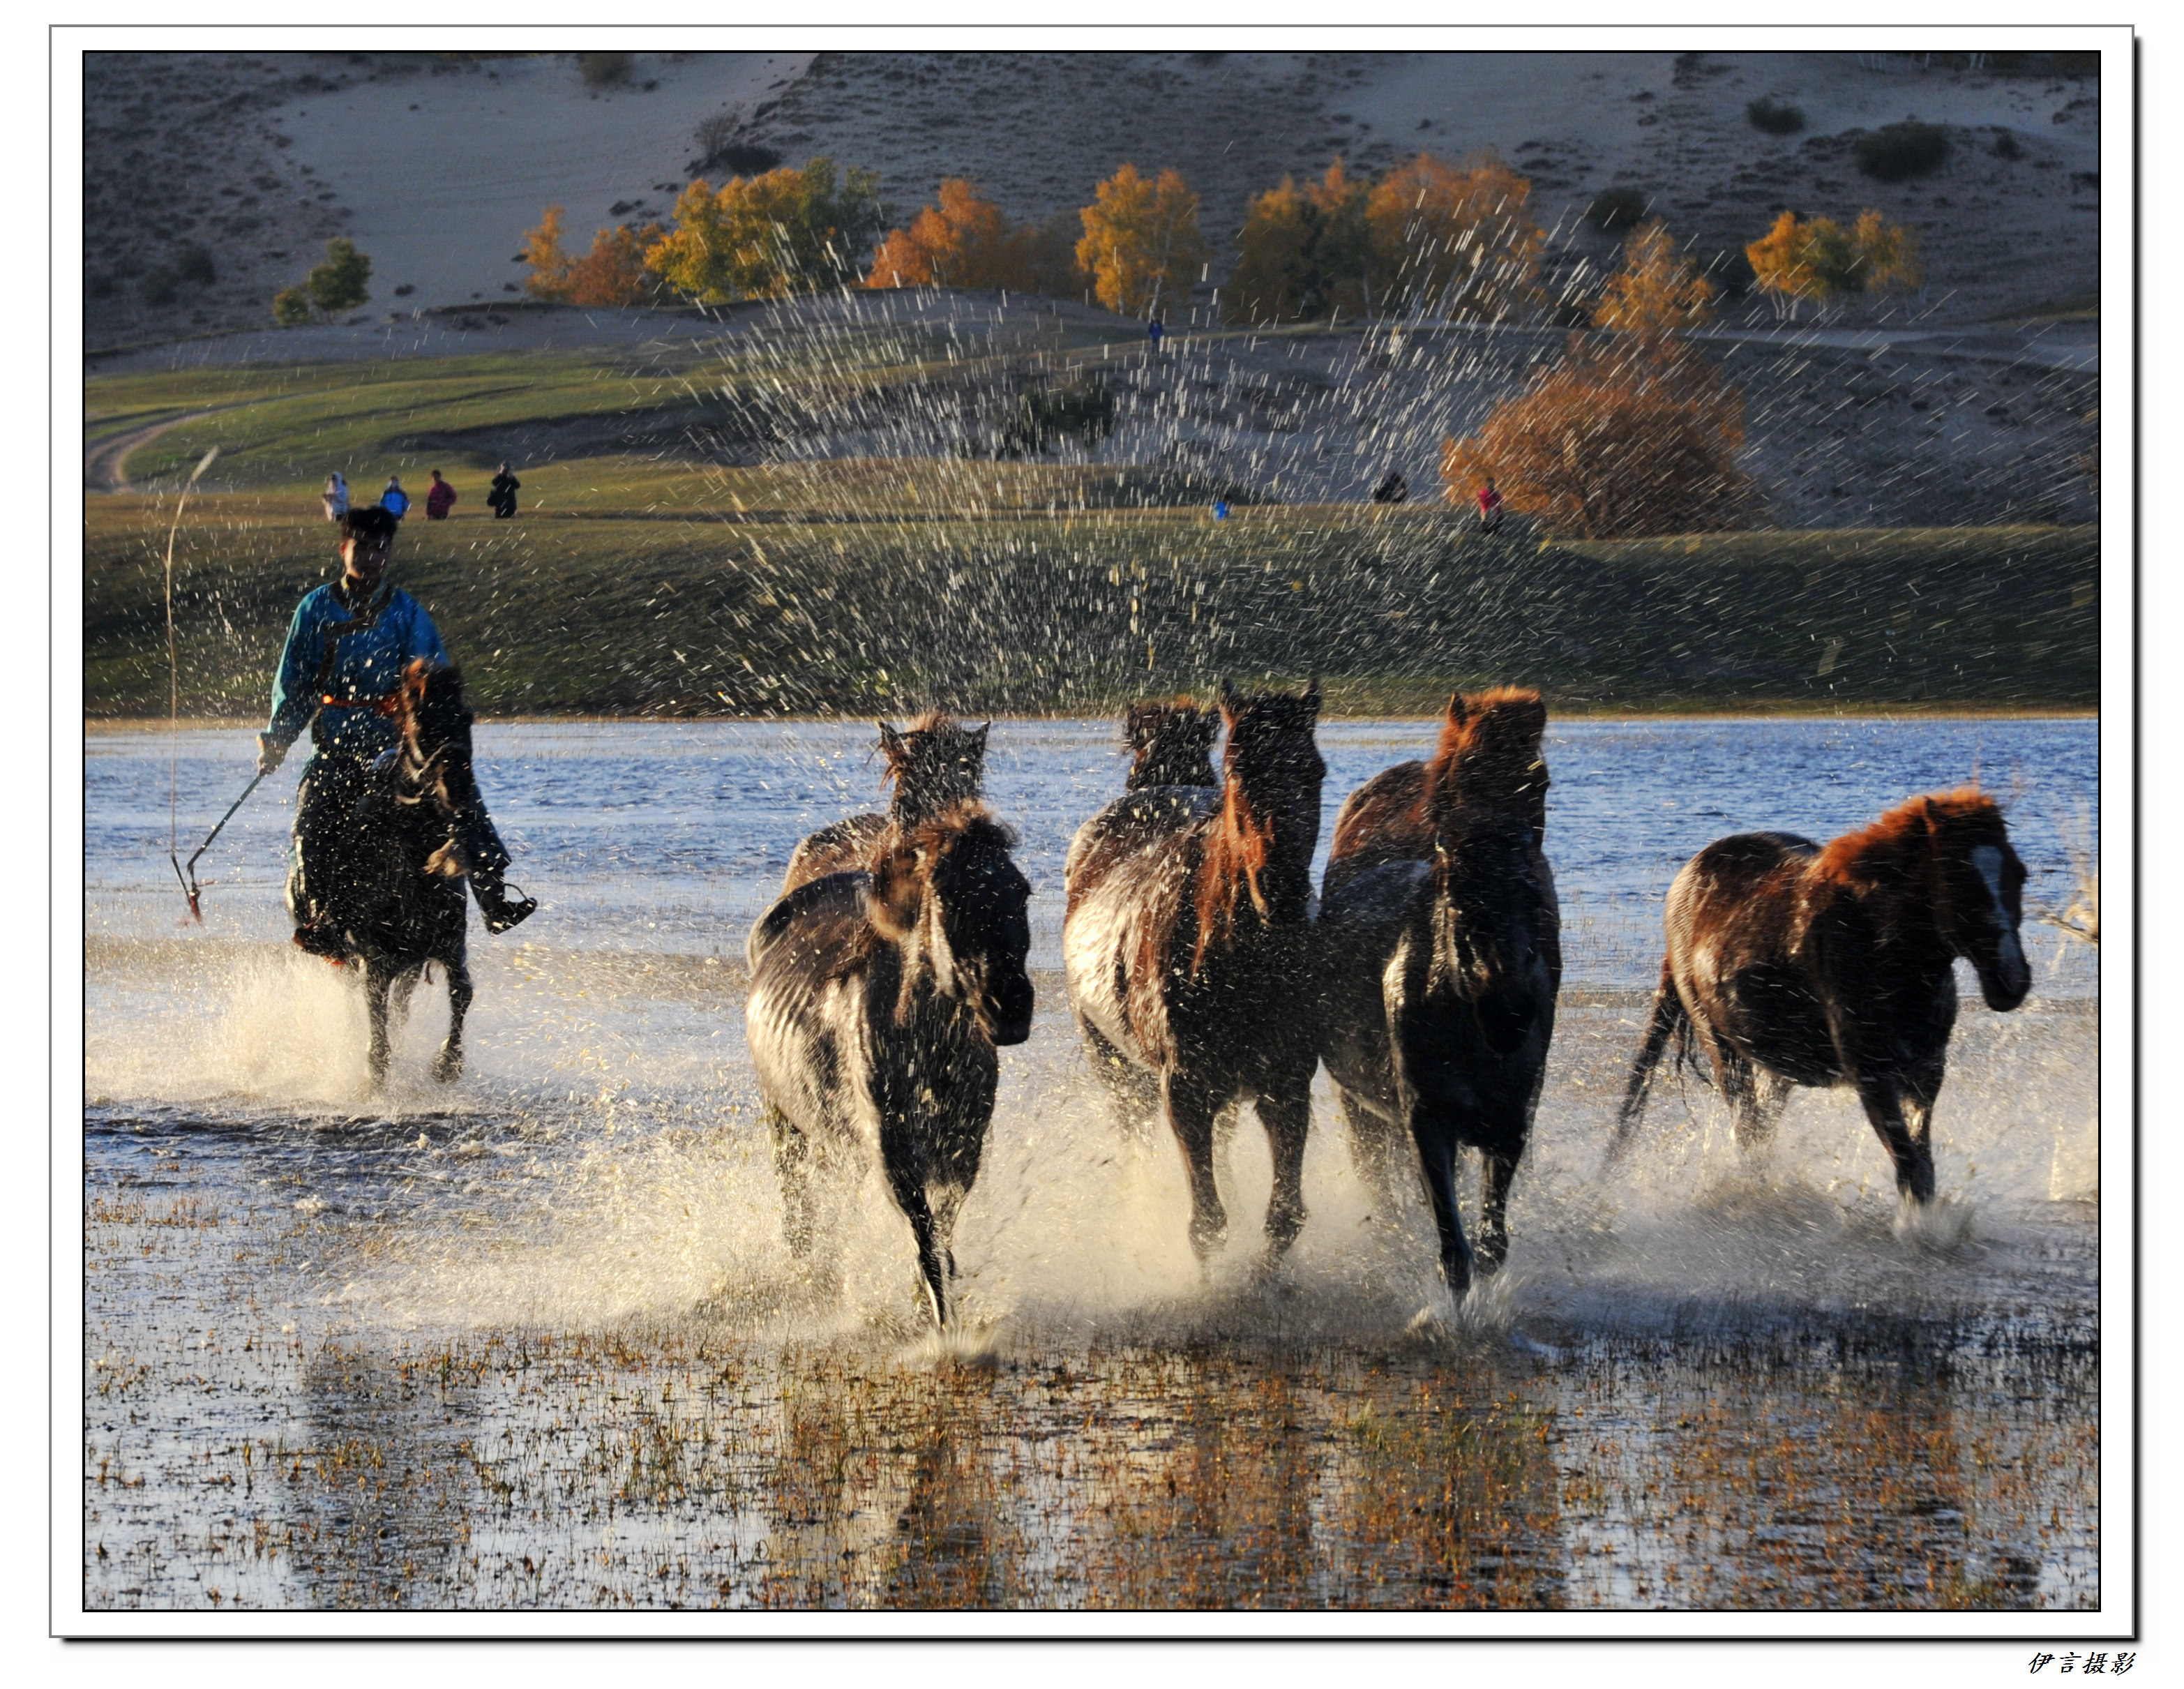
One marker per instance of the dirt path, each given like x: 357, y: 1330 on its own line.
x: 104, y: 460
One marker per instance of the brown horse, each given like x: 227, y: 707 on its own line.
x: 1440, y: 960
x: 877, y: 1002
x: 1170, y: 744
x: 1793, y: 965
x: 934, y: 763
x: 1187, y: 945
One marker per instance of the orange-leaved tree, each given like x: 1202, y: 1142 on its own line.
x: 612, y: 273
x: 1304, y: 252
x: 963, y: 242
x: 1621, y: 438
x: 1454, y: 240
x: 1141, y: 243
x: 1658, y: 291
x: 1817, y: 259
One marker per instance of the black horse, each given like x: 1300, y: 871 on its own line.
x: 1170, y: 744
x: 1440, y: 958
x: 933, y: 763
x: 1187, y: 945
x: 1792, y: 964
x: 877, y: 1002
x: 397, y: 893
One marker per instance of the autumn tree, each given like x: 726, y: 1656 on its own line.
x: 1141, y: 243
x: 549, y: 264
x: 767, y: 236
x: 1304, y: 253
x: 613, y: 272
x: 1657, y: 291
x: 1817, y: 259
x: 963, y: 242
x: 1453, y: 240
x: 1621, y: 438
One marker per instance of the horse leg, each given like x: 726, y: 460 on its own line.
x: 1132, y: 1092
x: 1190, y: 1104
x: 1496, y: 1170
x: 1437, y: 1165
x: 1372, y: 1152
x: 906, y: 1179
x: 448, y: 1065
x: 1914, y: 1163
x: 377, y: 978
x: 1285, y: 1111
x: 792, y: 1165
x: 1734, y: 1077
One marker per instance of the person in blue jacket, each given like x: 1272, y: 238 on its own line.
x: 393, y: 500
x: 348, y: 646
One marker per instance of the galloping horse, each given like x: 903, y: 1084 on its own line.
x: 1187, y: 943
x: 1440, y: 958
x: 1170, y: 744
x: 933, y: 762
x: 877, y: 1000
x: 397, y: 895
x: 1793, y: 965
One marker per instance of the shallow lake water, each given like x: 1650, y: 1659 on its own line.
x: 534, y: 1339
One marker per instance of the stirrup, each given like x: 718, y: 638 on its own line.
x: 504, y: 912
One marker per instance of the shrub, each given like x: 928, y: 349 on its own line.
x: 601, y: 69
x: 292, y: 307
x: 1657, y: 290
x: 2006, y: 147
x: 1620, y: 207
x: 1453, y: 240
x: 1613, y: 443
x: 717, y: 145
x: 339, y: 284
x: 193, y: 263
x: 1043, y: 417
x: 1141, y: 244
x: 1902, y: 151
x: 1770, y: 117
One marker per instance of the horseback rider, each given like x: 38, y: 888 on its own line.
x: 347, y: 648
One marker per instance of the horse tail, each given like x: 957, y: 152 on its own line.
x: 1668, y: 1020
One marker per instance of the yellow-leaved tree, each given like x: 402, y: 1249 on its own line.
x: 767, y: 236
x: 1816, y: 258
x: 1657, y: 291
x: 1454, y: 240
x: 962, y: 242
x: 1141, y: 243
x: 549, y: 263
x: 1303, y: 253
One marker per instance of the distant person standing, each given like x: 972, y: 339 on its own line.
x: 1153, y: 332
x: 439, y: 499
x: 394, y: 501
x: 1221, y: 510
x: 1392, y: 490
x: 1490, y: 507
x: 335, y: 499
x: 500, y: 497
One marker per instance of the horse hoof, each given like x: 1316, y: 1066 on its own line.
x: 447, y: 1069
x: 1207, y: 1237
x: 1282, y: 1225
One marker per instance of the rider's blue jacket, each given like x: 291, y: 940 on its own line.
x: 354, y: 654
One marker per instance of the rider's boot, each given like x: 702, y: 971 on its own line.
x: 501, y: 911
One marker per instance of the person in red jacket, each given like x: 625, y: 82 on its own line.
x: 439, y: 498
x: 1490, y: 506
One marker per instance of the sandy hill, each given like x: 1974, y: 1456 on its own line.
x: 436, y: 163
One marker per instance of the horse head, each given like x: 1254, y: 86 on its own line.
x: 946, y: 892
x: 1170, y: 744
x: 1488, y: 909
x: 935, y: 762
x: 1268, y: 827
x: 1977, y: 886
x: 432, y: 724
x: 1490, y: 757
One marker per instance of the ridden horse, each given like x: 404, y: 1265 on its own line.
x: 1792, y: 964
x: 933, y: 762
x: 1170, y: 744
x: 397, y: 894
x: 1440, y: 958
x: 1187, y: 945
x: 877, y: 1000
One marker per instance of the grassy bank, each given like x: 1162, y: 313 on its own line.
x: 639, y: 586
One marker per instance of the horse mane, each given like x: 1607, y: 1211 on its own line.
x: 935, y: 761
x: 1239, y: 841
x: 908, y: 855
x: 1882, y: 856
x: 1489, y: 756
x: 1170, y: 744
